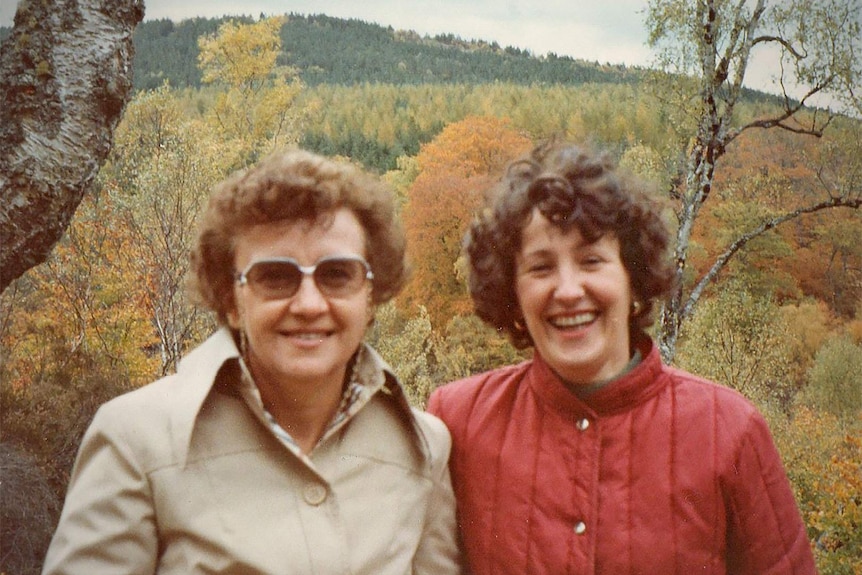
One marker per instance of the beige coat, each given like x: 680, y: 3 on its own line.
x: 183, y: 476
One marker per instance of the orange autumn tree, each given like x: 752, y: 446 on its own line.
x: 455, y: 170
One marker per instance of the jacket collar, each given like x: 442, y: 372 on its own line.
x: 218, y: 357
x: 631, y: 389
x: 196, y: 374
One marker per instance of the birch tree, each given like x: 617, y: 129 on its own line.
x: 705, y: 50
x: 65, y: 76
x: 256, y: 105
x: 160, y: 171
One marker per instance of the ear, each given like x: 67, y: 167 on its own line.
x: 234, y: 317
x: 370, y: 307
x: 518, y: 318
x: 234, y: 306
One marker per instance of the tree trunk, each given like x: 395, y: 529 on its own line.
x: 65, y: 77
x: 711, y: 42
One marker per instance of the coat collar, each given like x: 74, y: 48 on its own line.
x: 631, y: 389
x: 217, y: 358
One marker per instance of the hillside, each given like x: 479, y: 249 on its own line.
x: 347, y: 52
x: 329, y: 50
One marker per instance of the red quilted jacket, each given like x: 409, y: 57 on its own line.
x: 657, y: 473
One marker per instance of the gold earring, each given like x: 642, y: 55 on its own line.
x: 637, y: 307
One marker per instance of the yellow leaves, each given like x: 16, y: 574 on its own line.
x: 738, y: 339
x: 835, y: 378
x: 257, y: 108
x: 241, y: 56
x: 403, y: 177
x: 273, y: 119
x: 395, y: 115
x: 79, y: 304
x: 408, y: 345
x: 647, y: 163
x: 165, y: 162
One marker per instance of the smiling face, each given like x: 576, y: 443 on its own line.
x: 575, y: 297
x: 307, y: 338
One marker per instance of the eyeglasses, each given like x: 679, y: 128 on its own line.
x: 280, y: 278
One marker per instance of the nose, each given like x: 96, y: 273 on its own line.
x: 570, y: 283
x: 308, y: 300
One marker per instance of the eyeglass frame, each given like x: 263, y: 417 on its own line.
x: 242, y: 277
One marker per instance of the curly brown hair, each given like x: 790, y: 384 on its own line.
x: 294, y: 185
x: 571, y: 187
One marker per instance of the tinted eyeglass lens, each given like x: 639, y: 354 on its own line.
x: 339, y: 276
x: 274, y: 280
x: 280, y: 279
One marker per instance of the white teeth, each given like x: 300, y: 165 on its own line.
x: 573, y: 320
x: 309, y: 336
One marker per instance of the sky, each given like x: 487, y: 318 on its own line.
x: 606, y: 31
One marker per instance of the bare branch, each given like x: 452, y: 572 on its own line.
x: 722, y: 261
x: 779, y: 40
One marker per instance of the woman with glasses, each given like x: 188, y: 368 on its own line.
x: 283, y: 444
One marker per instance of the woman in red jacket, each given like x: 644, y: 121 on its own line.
x: 594, y: 457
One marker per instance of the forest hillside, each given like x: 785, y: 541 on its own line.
x: 326, y: 50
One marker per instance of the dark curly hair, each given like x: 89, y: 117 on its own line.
x: 571, y: 187
x: 294, y: 185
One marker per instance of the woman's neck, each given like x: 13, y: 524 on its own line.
x: 585, y: 390
x: 303, y: 409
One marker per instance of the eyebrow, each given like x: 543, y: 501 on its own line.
x: 543, y: 252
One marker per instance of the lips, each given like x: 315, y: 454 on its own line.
x: 573, y: 320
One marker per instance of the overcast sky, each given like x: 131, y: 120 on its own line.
x: 605, y: 31
x: 596, y: 30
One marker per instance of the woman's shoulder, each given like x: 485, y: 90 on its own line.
x: 435, y: 432
x: 164, y: 404
x: 179, y: 394
x: 687, y: 381
x: 145, y: 402
x: 485, y: 382
x: 458, y: 400
x: 147, y: 425
x: 701, y: 397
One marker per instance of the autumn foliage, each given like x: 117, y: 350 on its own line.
x: 823, y: 457
x: 782, y: 322
x: 456, y: 170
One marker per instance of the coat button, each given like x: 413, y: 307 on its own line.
x: 580, y: 528
x: 314, y: 493
x: 583, y: 424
